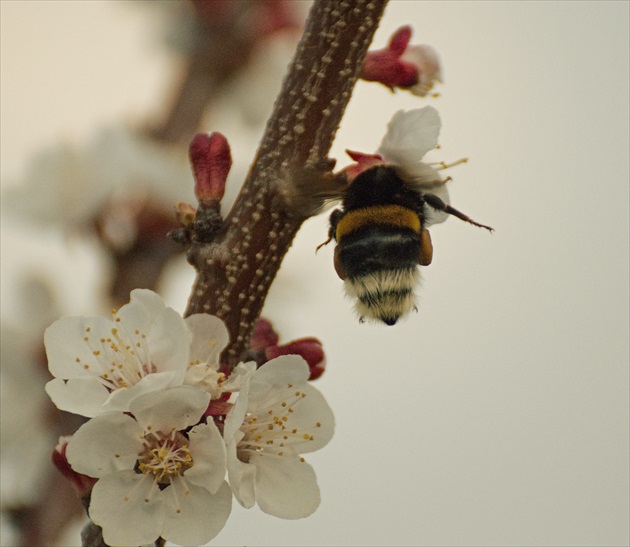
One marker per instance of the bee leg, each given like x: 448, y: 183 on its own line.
x: 433, y: 201
x: 322, y: 244
x: 334, y: 219
x: 426, y: 248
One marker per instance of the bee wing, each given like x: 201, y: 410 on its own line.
x: 312, y: 192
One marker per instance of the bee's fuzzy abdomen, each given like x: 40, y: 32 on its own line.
x: 384, y: 295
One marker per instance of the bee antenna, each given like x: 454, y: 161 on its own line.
x: 436, y: 203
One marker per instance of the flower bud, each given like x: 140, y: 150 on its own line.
x: 211, y: 161
x: 185, y: 213
x: 310, y: 349
x: 263, y: 336
x: 81, y: 483
x: 400, y: 65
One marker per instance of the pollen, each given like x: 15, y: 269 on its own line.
x: 165, y: 456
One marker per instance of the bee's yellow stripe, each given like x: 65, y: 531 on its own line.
x: 390, y: 215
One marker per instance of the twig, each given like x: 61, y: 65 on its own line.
x: 235, y: 272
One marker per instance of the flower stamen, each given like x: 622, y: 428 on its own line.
x: 165, y: 457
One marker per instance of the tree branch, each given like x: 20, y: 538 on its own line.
x: 235, y: 271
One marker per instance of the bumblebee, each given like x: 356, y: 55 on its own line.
x: 382, y: 238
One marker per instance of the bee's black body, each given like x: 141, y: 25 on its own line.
x: 378, y: 246
x: 381, y: 240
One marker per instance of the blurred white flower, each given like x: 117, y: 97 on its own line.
x: 26, y: 436
x: 102, y: 365
x: 154, y: 479
x: 277, y: 416
x: 72, y: 185
x: 26, y: 412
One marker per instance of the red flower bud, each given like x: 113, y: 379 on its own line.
x: 263, y: 336
x: 310, y: 349
x: 211, y: 161
x: 82, y: 483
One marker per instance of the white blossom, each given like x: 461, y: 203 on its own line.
x: 154, y: 479
x: 277, y: 417
x: 410, y: 136
x: 102, y: 365
x: 25, y: 411
x: 71, y: 185
x: 426, y: 58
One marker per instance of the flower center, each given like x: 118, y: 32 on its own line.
x: 165, y: 456
x: 123, y: 357
x: 272, y: 431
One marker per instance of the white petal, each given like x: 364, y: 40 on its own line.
x: 169, y: 342
x: 421, y: 176
x: 69, y: 354
x: 209, y: 338
x: 285, y: 488
x: 410, y: 135
x: 105, y: 444
x: 84, y: 396
x: 239, y: 376
x: 236, y: 415
x: 192, y: 515
x: 278, y: 373
x: 208, y: 452
x: 241, y: 476
x: 427, y: 59
x: 175, y: 408
x: 120, y: 399
x: 118, y: 504
x: 309, y: 411
x: 433, y: 216
x: 143, y: 307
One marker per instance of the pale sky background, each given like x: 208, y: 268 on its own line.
x: 497, y: 415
